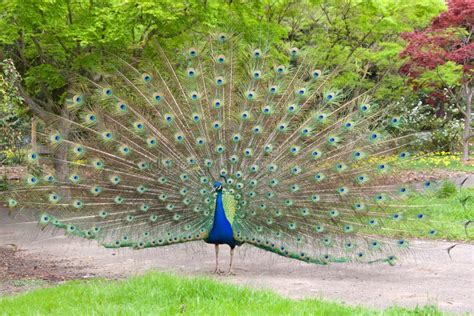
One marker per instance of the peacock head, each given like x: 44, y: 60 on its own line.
x: 217, y: 187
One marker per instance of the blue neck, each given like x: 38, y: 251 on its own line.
x: 219, y: 213
x: 221, y: 232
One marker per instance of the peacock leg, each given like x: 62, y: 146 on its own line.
x: 231, y: 262
x: 216, y: 270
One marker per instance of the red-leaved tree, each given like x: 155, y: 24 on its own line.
x: 446, y: 41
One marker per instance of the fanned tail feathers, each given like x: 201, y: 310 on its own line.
x: 145, y: 147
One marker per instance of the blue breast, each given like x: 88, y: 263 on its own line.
x: 221, y: 232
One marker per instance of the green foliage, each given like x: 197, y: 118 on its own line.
x: 445, y: 125
x: 369, y: 33
x: 161, y: 294
x: 445, y: 118
x: 44, y: 75
x: 52, y: 41
x: 9, y: 98
x: 4, y: 183
x: 449, y: 210
x: 448, y: 74
x: 448, y: 189
x: 13, y: 119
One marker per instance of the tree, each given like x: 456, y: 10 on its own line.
x: 367, y: 33
x: 51, y: 42
x: 440, y: 62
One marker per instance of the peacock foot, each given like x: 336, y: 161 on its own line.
x: 226, y: 273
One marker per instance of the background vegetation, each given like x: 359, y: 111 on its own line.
x: 49, y: 41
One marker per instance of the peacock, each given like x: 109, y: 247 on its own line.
x: 227, y: 143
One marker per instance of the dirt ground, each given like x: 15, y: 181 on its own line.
x: 31, y: 258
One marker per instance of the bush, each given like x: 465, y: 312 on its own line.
x: 445, y: 126
x: 447, y: 189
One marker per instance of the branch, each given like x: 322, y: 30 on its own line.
x: 67, y: 50
x: 32, y: 104
x: 39, y: 49
x: 451, y: 93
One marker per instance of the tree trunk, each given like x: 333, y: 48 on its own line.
x: 60, y: 156
x: 61, y: 167
x: 33, y: 134
x: 468, y: 92
x: 62, y: 126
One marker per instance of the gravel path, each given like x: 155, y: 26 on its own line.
x: 429, y: 276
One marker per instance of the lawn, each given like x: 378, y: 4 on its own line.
x: 446, y: 211
x: 161, y: 294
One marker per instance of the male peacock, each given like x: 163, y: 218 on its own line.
x: 297, y: 159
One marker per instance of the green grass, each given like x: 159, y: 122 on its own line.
x: 160, y: 294
x: 28, y: 282
x: 444, y: 213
